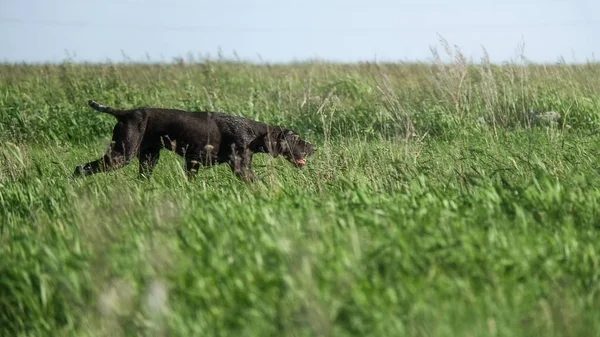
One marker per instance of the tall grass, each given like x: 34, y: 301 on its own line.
x: 432, y: 209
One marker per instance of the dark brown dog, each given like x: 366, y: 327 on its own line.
x: 202, y: 138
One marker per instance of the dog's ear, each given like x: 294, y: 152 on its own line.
x: 273, y: 143
x: 291, y: 134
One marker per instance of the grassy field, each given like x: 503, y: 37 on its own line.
x: 433, y: 207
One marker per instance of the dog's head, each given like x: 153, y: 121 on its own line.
x: 288, y: 144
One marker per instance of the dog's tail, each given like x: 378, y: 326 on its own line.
x: 103, y: 108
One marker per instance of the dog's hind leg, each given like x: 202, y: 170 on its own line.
x: 148, y: 158
x: 123, y: 147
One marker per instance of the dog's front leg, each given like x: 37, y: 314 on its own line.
x: 241, y: 165
x: 247, y: 167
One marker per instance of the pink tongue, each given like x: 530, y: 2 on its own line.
x: 301, y: 161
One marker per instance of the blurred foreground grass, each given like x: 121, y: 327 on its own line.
x: 432, y: 208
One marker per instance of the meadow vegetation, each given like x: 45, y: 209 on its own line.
x: 434, y: 207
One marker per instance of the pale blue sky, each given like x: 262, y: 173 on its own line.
x: 286, y: 30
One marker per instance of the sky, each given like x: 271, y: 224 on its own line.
x: 296, y: 30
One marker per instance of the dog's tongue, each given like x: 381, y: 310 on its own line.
x: 301, y: 161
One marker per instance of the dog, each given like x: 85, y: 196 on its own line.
x: 202, y: 138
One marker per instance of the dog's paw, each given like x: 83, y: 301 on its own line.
x: 80, y: 171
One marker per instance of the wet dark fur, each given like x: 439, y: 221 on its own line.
x: 202, y: 138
